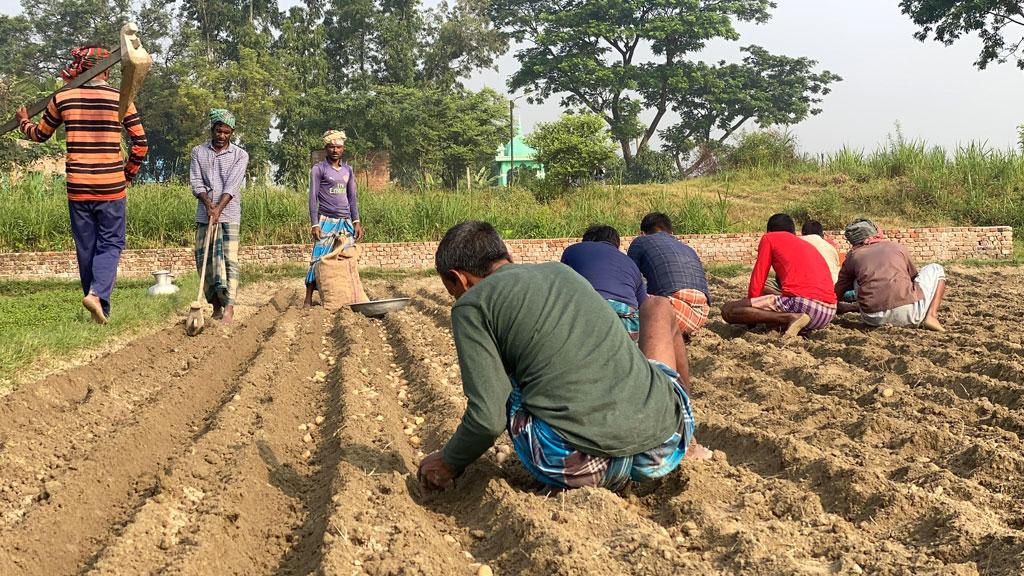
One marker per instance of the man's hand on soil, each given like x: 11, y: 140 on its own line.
x: 434, y: 474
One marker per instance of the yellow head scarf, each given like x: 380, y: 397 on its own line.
x: 335, y: 137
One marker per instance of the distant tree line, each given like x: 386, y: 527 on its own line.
x: 391, y: 73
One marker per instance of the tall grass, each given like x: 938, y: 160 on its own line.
x: 973, y: 184
x: 35, y: 213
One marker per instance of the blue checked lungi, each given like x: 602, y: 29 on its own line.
x: 330, y: 229
x: 629, y: 316
x: 554, y: 462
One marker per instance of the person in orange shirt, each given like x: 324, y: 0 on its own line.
x: 97, y: 174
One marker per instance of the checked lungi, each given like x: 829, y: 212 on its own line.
x: 629, y: 316
x: 554, y: 462
x: 691, y: 308
x: 821, y: 313
x: 330, y: 229
x: 221, y: 282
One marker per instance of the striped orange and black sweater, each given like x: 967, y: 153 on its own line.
x: 95, y: 168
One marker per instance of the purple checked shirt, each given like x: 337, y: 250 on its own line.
x: 218, y: 173
x: 332, y: 192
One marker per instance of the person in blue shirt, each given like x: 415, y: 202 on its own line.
x: 673, y: 270
x: 613, y: 274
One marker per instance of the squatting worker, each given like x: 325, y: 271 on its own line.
x: 672, y: 270
x: 813, y: 232
x: 542, y: 356
x: 807, y: 301
x: 217, y: 174
x: 333, y: 205
x: 97, y: 174
x: 613, y: 274
x: 890, y: 290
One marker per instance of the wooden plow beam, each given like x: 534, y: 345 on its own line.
x: 135, y: 63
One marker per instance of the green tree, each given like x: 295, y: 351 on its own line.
x: 616, y: 58
x: 572, y: 148
x: 220, y: 56
x: 715, y: 101
x: 392, y: 78
x: 999, y: 24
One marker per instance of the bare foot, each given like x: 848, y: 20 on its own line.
x: 218, y: 312
x: 307, y: 305
x: 229, y: 314
x: 93, y: 305
x: 696, y: 451
x: 932, y: 324
x: 796, y: 326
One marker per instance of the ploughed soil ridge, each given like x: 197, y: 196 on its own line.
x: 289, y: 445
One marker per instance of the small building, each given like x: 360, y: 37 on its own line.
x: 516, y: 154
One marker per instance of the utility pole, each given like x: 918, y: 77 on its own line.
x: 511, y: 142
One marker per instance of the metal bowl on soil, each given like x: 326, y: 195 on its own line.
x: 378, y: 308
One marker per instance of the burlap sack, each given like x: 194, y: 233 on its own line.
x: 337, y: 275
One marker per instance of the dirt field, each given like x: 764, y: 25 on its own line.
x: 854, y: 451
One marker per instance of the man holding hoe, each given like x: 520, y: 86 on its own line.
x: 543, y: 356
x: 217, y: 174
x: 97, y: 174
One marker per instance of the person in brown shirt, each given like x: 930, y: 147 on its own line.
x: 890, y: 290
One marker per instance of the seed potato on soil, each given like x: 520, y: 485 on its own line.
x: 886, y: 451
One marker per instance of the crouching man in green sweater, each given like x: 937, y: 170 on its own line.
x: 544, y: 357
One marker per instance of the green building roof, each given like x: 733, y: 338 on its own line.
x: 516, y: 149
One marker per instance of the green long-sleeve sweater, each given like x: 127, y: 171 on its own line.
x: 545, y: 327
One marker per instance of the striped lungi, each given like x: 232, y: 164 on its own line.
x: 554, y: 462
x: 629, y: 316
x: 221, y: 282
x: 691, y: 309
x: 330, y: 229
x: 821, y: 313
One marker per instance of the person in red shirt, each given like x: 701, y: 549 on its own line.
x: 808, y: 299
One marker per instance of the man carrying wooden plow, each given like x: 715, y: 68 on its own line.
x: 93, y: 114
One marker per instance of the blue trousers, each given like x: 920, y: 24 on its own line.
x: 98, y: 227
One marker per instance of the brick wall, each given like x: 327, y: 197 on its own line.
x: 925, y: 245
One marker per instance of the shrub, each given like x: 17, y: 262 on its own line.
x: 766, y: 149
x: 651, y: 166
x: 572, y: 148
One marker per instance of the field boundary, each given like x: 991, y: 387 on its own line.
x: 925, y: 245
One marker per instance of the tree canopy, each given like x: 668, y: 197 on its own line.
x: 715, y: 101
x: 617, y: 58
x: 999, y: 24
x: 390, y: 72
x: 571, y: 148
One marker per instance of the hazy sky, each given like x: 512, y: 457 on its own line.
x: 933, y: 91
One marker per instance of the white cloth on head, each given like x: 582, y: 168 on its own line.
x: 911, y: 314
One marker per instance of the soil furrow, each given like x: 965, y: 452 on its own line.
x: 103, y: 488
